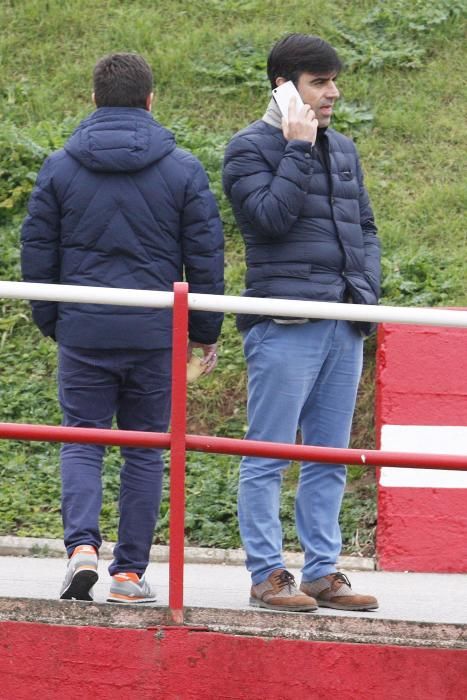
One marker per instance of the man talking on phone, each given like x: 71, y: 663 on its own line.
x: 297, y: 192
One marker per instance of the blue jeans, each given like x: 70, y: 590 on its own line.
x: 299, y: 376
x: 95, y: 386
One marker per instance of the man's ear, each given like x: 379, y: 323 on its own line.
x: 280, y: 81
x: 93, y: 97
x: 149, y: 101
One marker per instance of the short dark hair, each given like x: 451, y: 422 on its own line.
x: 122, y: 80
x: 295, y: 54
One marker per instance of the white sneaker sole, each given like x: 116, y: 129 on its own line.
x: 129, y: 600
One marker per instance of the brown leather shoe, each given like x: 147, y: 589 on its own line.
x: 279, y: 592
x: 335, y: 591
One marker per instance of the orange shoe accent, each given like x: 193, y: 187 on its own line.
x: 127, y: 576
x: 132, y: 598
x: 85, y: 549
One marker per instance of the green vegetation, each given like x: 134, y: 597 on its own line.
x: 402, y: 101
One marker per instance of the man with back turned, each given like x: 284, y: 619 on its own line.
x: 119, y: 206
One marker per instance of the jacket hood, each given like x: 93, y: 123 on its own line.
x: 119, y: 139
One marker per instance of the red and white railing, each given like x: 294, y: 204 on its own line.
x: 177, y: 440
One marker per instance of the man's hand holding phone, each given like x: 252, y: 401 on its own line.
x: 298, y: 120
x: 300, y: 123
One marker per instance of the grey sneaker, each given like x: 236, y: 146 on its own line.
x: 81, y: 574
x: 127, y: 587
x: 279, y: 592
x: 335, y: 591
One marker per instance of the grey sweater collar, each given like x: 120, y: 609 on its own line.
x: 273, y: 114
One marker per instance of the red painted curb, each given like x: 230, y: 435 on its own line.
x: 53, y: 662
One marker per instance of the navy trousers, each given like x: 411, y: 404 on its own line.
x: 94, y: 387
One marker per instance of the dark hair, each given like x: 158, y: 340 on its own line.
x: 122, y: 80
x: 301, y: 53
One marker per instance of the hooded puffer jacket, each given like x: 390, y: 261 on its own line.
x: 121, y: 206
x: 309, y: 230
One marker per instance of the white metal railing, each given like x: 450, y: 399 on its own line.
x: 236, y: 304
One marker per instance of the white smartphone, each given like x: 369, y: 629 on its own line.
x: 283, y: 95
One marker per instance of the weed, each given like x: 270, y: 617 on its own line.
x: 417, y: 279
x: 20, y: 161
x: 395, y: 33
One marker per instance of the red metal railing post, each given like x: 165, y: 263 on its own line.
x: 178, y: 451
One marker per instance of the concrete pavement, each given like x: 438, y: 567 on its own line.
x: 415, y: 645
x: 415, y: 609
x: 402, y: 596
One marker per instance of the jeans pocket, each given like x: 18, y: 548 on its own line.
x: 255, y: 336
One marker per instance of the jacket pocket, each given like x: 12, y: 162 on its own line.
x: 271, y: 271
x: 361, y: 290
x: 345, y: 174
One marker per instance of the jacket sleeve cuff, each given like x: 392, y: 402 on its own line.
x: 298, y: 145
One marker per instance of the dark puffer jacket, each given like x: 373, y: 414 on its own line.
x: 122, y: 206
x: 309, y: 231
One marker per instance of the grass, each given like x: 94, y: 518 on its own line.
x: 403, y: 101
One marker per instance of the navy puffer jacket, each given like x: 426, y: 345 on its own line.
x: 309, y: 232
x: 122, y: 206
